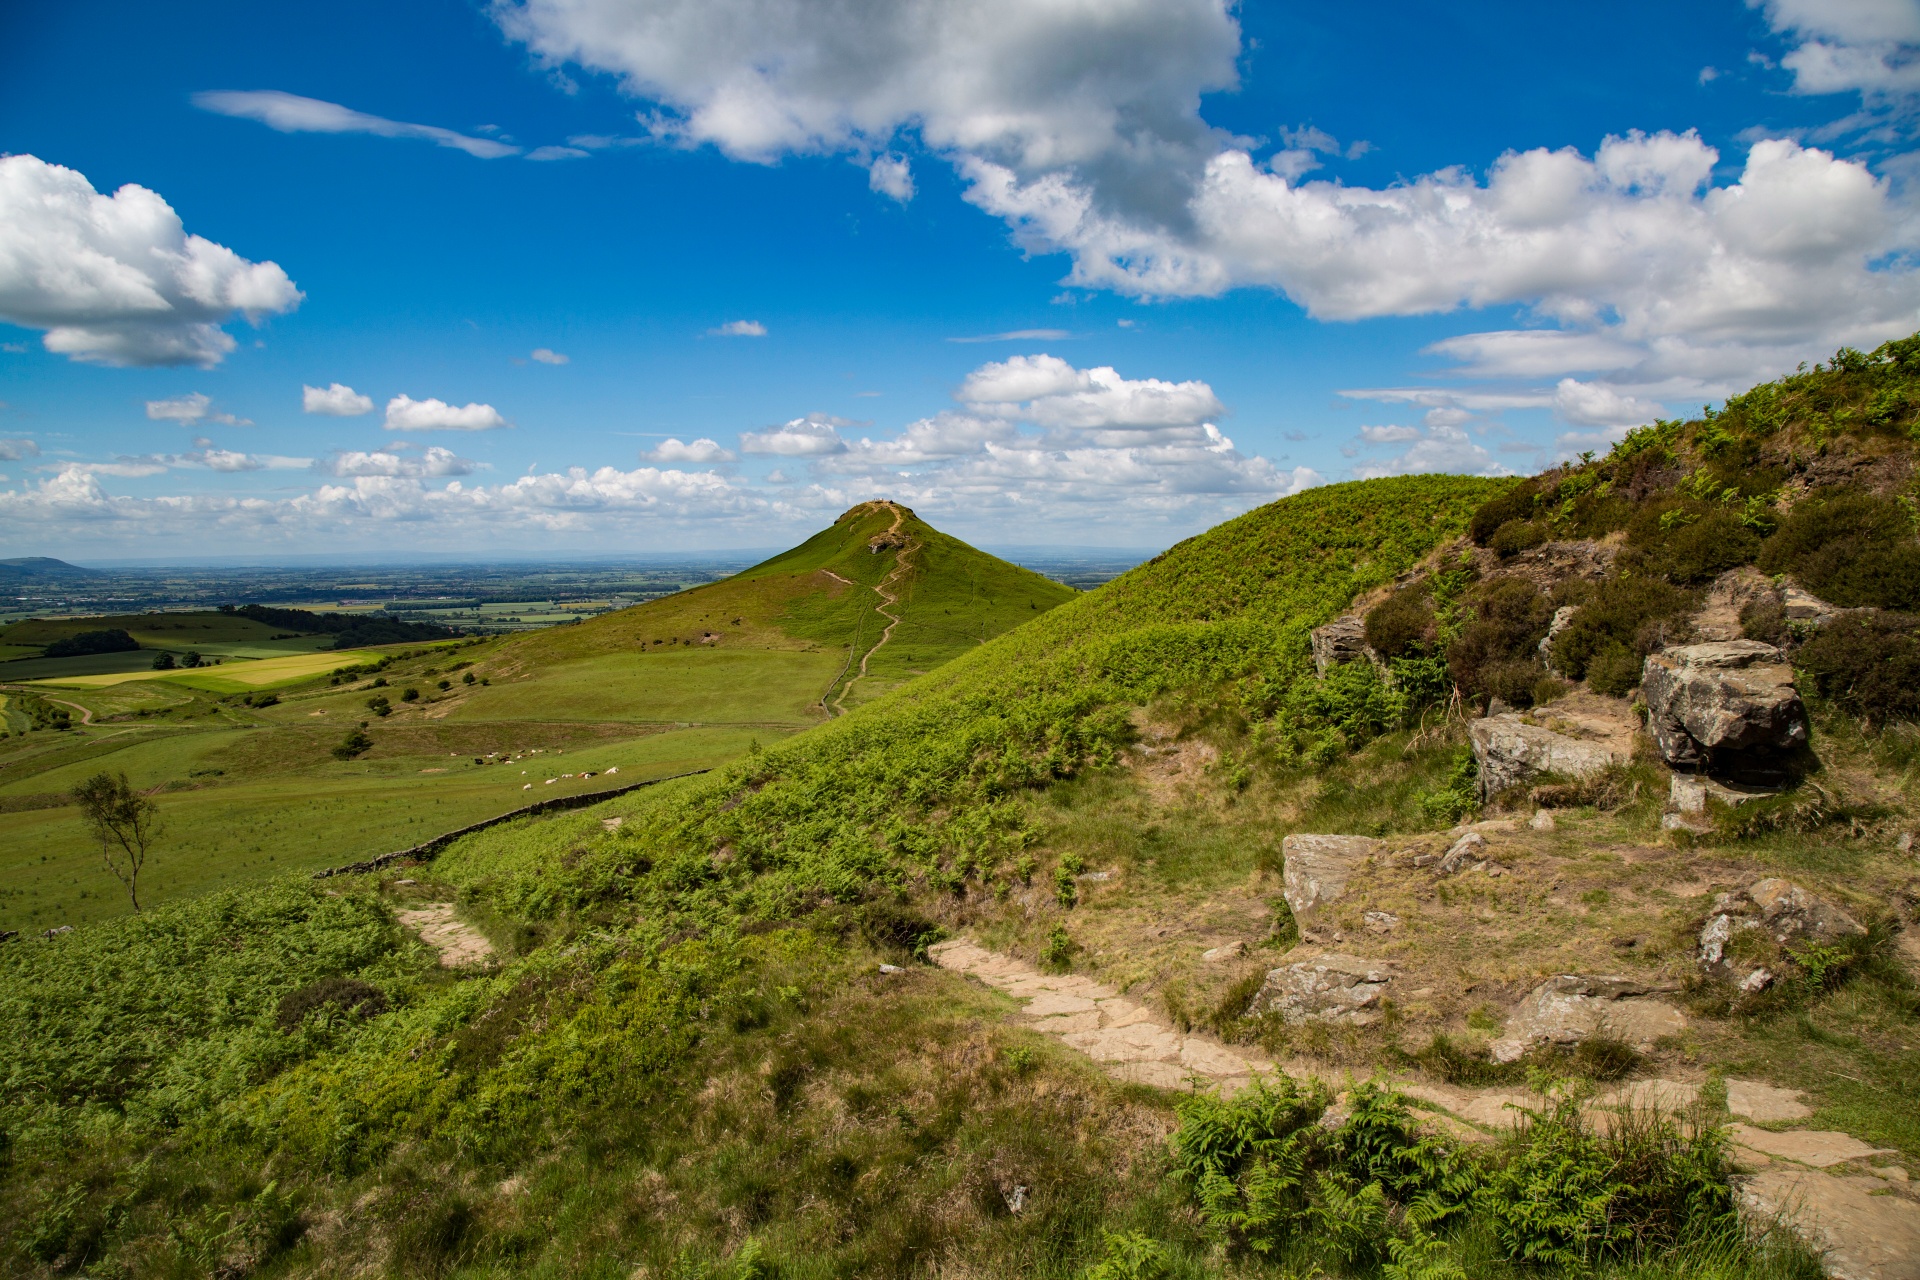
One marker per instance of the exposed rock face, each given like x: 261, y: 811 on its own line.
x: 1329, y: 988
x: 1862, y: 1232
x: 1731, y: 592
x: 1553, y: 563
x: 1340, y: 641
x: 1562, y: 618
x: 1727, y: 704
x: 1807, y: 608
x: 1780, y: 909
x: 1318, y: 868
x: 1571, y: 1007
x: 1510, y: 750
x: 1687, y: 796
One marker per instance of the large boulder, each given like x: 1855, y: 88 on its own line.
x: 1329, y: 988
x: 1512, y: 748
x: 1570, y: 1007
x: 1340, y: 641
x: 1727, y: 705
x: 1783, y: 912
x: 1318, y: 867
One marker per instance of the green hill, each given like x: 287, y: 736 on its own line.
x: 689, y: 1060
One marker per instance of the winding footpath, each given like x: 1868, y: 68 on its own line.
x: 889, y: 599
x: 1851, y: 1200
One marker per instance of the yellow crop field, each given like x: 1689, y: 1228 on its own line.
x: 231, y: 677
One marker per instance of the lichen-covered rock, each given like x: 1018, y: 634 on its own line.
x: 1569, y: 1008
x: 1340, y: 641
x: 1731, y: 593
x: 1509, y: 751
x: 1783, y: 912
x: 1806, y: 608
x: 1562, y: 619
x: 1329, y: 988
x: 1720, y: 705
x: 1318, y: 868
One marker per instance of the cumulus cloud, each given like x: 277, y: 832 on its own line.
x: 1108, y: 408
x: 436, y: 462
x: 116, y: 280
x: 545, y: 355
x: 891, y: 176
x: 336, y: 400
x: 407, y: 414
x: 191, y: 409
x: 1586, y: 404
x: 810, y: 437
x: 290, y: 113
x: 701, y: 451
x: 1390, y: 434
x: 739, y: 329
x: 1080, y: 125
x: 1436, y: 449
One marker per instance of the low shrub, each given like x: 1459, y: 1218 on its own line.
x: 1638, y: 615
x: 1690, y: 542
x: 1513, y: 680
x: 1615, y: 671
x: 1516, y: 503
x: 1510, y: 618
x: 1867, y: 664
x: 1515, y: 536
x: 1404, y: 625
x: 1856, y: 550
x: 348, y: 995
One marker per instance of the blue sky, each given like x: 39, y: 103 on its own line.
x: 768, y: 251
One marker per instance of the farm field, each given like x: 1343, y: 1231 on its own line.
x: 677, y: 684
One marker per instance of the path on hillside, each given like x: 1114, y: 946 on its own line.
x: 1867, y: 1223
x: 86, y: 716
x: 889, y: 597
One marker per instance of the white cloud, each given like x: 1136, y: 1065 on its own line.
x: 547, y: 356
x: 810, y: 437
x: 700, y: 451
x: 190, y: 409
x: 1389, y: 434
x: 215, y: 459
x: 739, y: 329
x: 18, y: 450
x: 436, y: 462
x: 1079, y: 124
x: 891, y: 175
x: 1534, y: 353
x: 1112, y: 410
x: 290, y: 113
x: 1023, y: 335
x: 337, y: 400
x: 1437, y: 449
x: 557, y: 153
x: 116, y: 280
x: 407, y: 414
x: 1587, y: 404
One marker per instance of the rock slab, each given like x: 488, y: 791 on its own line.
x: 1317, y: 868
x: 1341, y: 641
x: 1725, y: 704
x: 1569, y: 1008
x: 1509, y: 750
x: 1781, y: 910
x: 1329, y: 988
x: 1862, y: 1236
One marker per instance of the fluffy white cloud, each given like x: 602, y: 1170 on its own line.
x: 1850, y: 46
x: 810, y: 437
x: 891, y: 176
x: 407, y: 414
x: 1111, y: 410
x: 117, y: 280
x: 190, y: 409
x: 1080, y: 125
x: 701, y: 451
x: 545, y: 355
x: 290, y: 113
x: 1436, y: 449
x: 436, y: 462
x: 1587, y: 404
x: 1390, y: 434
x: 216, y: 459
x: 336, y: 400
x: 739, y: 329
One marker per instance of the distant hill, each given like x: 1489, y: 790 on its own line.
x: 41, y: 569
x: 833, y: 591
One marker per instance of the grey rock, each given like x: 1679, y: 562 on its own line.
x: 1784, y: 911
x: 1689, y: 793
x: 1468, y: 850
x: 1724, y: 704
x: 1510, y: 751
x: 1807, y: 608
x: 1569, y: 1008
x: 1758, y: 980
x: 1221, y: 954
x: 1329, y: 988
x: 1341, y: 641
x: 1318, y: 867
x: 56, y: 932
x: 1381, y: 921
x: 1731, y: 593
x: 1562, y: 617
x: 1542, y: 820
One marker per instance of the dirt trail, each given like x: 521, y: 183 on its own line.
x: 889, y: 597
x: 1849, y: 1199
x: 458, y: 942
x: 86, y: 716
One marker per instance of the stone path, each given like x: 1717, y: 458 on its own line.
x: 1850, y: 1199
x: 458, y: 942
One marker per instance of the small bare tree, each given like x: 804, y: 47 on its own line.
x: 125, y: 822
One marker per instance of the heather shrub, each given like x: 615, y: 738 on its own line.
x: 1856, y: 550
x: 1510, y: 618
x: 1516, y: 503
x: 1868, y: 664
x: 1638, y: 615
x: 1515, y: 536
x: 1692, y: 543
x: 1404, y: 624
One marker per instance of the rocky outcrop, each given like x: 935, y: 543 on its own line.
x: 1688, y: 794
x: 1562, y: 619
x: 1569, y: 1008
x: 1317, y: 868
x: 1341, y: 641
x: 1728, y: 706
x: 1553, y: 563
x: 1807, y: 609
x: 1328, y: 988
x: 1782, y: 912
x: 1731, y: 593
x: 1512, y: 748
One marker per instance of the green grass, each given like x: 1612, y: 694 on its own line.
x: 177, y: 631
x: 705, y: 686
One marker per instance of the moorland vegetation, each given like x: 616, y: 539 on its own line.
x: 689, y: 1059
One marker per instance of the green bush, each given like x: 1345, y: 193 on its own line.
x: 1404, y: 625
x: 1513, y: 680
x: 1515, y: 504
x: 1614, y: 671
x: 1635, y: 614
x: 1509, y: 620
x: 1868, y: 664
x: 355, y: 743
x: 1515, y: 536
x: 1856, y: 550
x: 1691, y: 543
